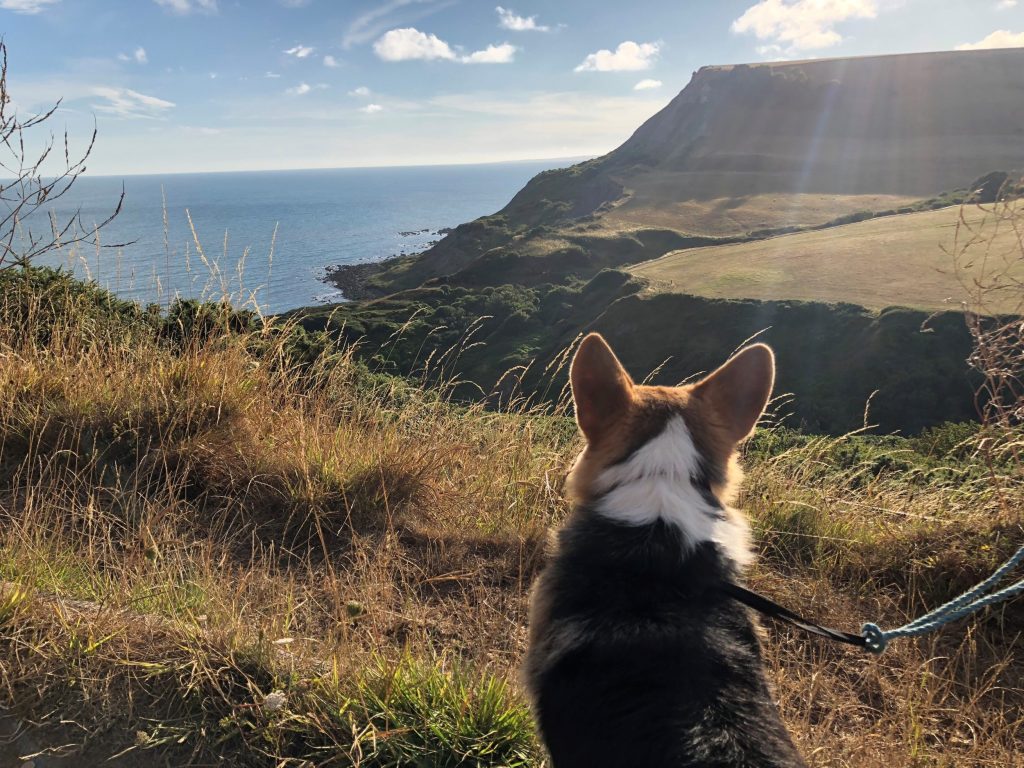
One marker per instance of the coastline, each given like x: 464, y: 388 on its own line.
x: 353, y: 280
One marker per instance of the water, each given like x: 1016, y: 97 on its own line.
x: 322, y: 218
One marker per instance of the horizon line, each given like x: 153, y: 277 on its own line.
x: 562, y: 158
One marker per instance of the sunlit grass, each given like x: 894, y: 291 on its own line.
x: 191, y: 523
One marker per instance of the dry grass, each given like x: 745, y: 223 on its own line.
x: 656, y: 203
x: 891, y: 261
x: 185, y: 529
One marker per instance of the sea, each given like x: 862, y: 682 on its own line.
x: 265, y: 238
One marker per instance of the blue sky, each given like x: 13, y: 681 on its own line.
x: 217, y: 85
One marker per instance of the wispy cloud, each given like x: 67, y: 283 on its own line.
x: 26, y: 6
x: 371, y: 109
x: 362, y: 91
x: 300, y: 51
x: 184, y: 7
x: 330, y: 61
x: 1005, y: 5
x: 389, y: 14
x: 124, y: 102
x: 1001, y: 38
x: 628, y: 57
x: 272, y: 74
x: 508, y: 19
x: 802, y: 24
x: 647, y: 85
x: 409, y: 44
x: 138, y: 56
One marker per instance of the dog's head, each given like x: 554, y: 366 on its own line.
x: 692, y: 429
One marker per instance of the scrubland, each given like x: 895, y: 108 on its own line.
x: 219, y: 547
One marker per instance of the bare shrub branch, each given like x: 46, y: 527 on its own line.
x: 32, y: 180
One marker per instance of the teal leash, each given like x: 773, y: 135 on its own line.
x: 971, y: 601
x: 872, y: 637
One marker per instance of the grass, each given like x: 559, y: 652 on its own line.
x: 216, y: 550
x: 845, y: 263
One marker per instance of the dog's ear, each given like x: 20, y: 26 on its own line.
x: 601, y: 389
x: 738, y: 391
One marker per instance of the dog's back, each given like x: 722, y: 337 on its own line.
x: 637, y: 658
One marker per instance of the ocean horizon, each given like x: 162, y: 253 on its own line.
x: 266, y: 238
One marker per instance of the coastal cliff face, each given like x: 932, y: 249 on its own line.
x: 914, y: 124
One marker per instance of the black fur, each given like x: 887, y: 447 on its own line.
x: 638, y: 659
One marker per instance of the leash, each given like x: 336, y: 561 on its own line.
x: 770, y: 608
x: 872, y: 637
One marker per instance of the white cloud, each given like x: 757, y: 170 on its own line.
x: 124, y: 102
x: 300, y: 51
x: 361, y: 91
x: 330, y: 61
x: 628, y: 57
x: 802, y: 24
x: 26, y: 6
x: 1005, y: 5
x: 1001, y: 38
x: 371, y: 109
x: 188, y: 6
x: 647, y: 85
x: 508, y: 19
x: 492, y: 54
x: 303, y: 88
x: 410, y: 44
x: 272, y: 74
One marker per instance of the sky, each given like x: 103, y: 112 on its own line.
x: 225, y: 85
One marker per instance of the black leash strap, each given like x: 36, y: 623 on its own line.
x: 769, y: 608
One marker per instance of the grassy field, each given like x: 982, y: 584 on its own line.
x: 922, y: 260
x: 212, y: 553
x: 655, y: 205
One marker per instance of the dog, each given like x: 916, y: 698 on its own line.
x: 636, y: 657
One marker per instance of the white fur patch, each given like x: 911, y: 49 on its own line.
x: 656, y: 483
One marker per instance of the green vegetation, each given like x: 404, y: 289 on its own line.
x: 833, y: 357
x: 846, y: 306
x: 214, y: 549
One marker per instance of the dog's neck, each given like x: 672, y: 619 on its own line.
x: 665, y: 480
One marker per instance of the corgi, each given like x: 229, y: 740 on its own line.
x: 636, y: 658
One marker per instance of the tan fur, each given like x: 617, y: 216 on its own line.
x: 633, y: 414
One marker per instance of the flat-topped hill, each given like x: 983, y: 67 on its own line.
x: 911, y: 124
x: 842, y: 134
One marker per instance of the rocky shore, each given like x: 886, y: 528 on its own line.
x: 353, y: 279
